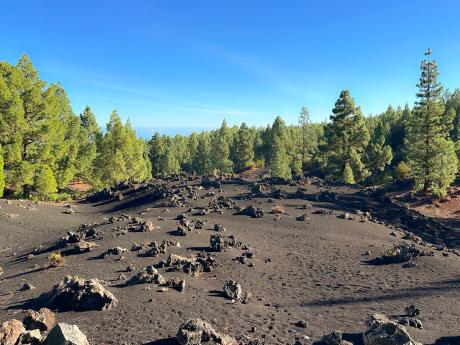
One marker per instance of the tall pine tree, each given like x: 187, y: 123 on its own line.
x: 221, y: 149
x: 88, y: 137
x: 279, y: 160
x: 345, y: 138
x: 244, y: 148
x: 430, y: 151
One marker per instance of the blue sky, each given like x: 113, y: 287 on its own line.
x: 192, y: 63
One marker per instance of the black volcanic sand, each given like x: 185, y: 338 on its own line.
x: 315, y: 271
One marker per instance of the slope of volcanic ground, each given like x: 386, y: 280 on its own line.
x: 319, y: 270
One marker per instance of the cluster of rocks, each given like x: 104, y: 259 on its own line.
x: 153, y: 249
x: 233, y: 291
x: 196, y: 332
x: 74, y: 293
x: 268, y: 190
x: 82, y: 235
x: 261, y: 190
x: 193, y: 265
x: 219, y: 228
x: 251, y: 211
x: 248, y: 254
x: 40, y: 328
x: 150, y: 275
x: 220, y: 203
x: 380, y: 330
x: 220, y: 243
x: 402, y: 253
x: 84, y: 247
x: 185, y: 225
x: 114, y: 251
x: 140, y: 225
x: 208, y: 183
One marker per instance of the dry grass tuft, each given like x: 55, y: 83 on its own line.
x: 55, y: 259
x: 278, y: 209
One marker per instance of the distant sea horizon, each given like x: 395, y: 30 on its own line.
x: 148, y: 132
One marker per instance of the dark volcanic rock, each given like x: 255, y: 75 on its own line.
x: 381, y: 331
x: 77, y: 294
x: 43, y: 319
x: 65, y: 334
x: 196, y: 332
x: 148, y: 275
x: 252, y: 211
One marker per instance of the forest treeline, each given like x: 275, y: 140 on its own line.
x: 44, y: 146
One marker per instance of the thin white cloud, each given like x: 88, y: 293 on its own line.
x: 264, y: 71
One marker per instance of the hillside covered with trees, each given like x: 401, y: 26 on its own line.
x: 44, y: 145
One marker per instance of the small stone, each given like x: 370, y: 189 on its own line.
x: 302, y: 324
x: 232, y: 290
x: 27, y: 286
x: 411, y: 310
x: 334, y: 338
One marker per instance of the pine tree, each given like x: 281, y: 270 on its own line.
x: 88, y: 136
x: 24, y: 113
x: 133, y: 152
x: 277, y: 133
x: 453, y: 106
x: 221, y: 150
x: 427, y: 139
x: 64, y: 143
x: 111, y: 161
x: 45, y: 184
x: 377, y: 155
x: 169, y: 162
x: 2, y: 173
x: 304, y: 123
x: 244, y: 148
x: 402, y: 171
x: 444, y: 165
x: 202, y: 161
x: 279, y: 160
x: 296, y: 165
x: 157, y: 150
x: 348, y: 177
x: 345, y: 138
x: 12, y: 124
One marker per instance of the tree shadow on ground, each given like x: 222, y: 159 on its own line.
x: 455, y: 340
x: 435, y: 289
x: 38, y: 269
x: 354, y: 338
x: 165, y: 341
x: 391, y: 214
x: 202, y: 249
